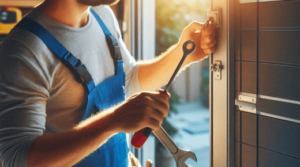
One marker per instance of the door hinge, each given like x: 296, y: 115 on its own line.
x: 217, y: 68
x: 246, y: 103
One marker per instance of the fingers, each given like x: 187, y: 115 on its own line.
x: 146, y: 109
x: 209, y: 51
x: 155, y: 108
x: 209, y: 29
x: 153, y: 124
x: 208, y: 41
x: 209, y: 44
x: 208, y: 38
x: 149, y: 163
x: 158, y: 102
x: 164, y: 92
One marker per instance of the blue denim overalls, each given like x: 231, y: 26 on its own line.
x: 110, y: 92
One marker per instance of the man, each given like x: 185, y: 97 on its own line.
x: 49, y: 106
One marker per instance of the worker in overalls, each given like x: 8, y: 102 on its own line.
x: 70, y: 90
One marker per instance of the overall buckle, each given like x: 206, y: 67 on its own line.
x: 85, y: 76
x: 114, y: 47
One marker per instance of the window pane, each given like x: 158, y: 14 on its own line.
x: 188, y: 121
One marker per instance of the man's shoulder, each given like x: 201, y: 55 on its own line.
x: 19, y: 40
x: 23, y: 49
x: 104, y: 10
x: 109, y: 18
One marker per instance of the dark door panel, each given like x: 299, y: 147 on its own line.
x: 237, y: 126
x: 267, y: 64
x: 287, y: 110
x: 280, y: 136
x: 237, y: 43
x: 279, y: 47
x: 279, y: 81
x: 237, y: 162
x: 249, y: 45
x: 248, y: 16
x: 238, y: 76
x: 249, y: 128
x: 249, y: 77
x: 279, y: 14
x: 248, y: 156
x: 268, y: 158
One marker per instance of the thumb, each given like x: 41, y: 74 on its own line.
x: 149, y: 163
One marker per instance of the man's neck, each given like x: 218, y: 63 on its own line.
x: 67, y: 12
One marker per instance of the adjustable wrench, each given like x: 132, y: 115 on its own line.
x: 179, y: 155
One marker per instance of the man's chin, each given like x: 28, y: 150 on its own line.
x: 98, y: 2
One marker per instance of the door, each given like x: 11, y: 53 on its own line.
x: 267, y: 84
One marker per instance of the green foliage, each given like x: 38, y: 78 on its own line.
x: 172, y: 16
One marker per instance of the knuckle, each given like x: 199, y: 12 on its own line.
x: 145, y: 117
x: 144, y: 100
x: 143, y: 94
x: 160, y: 115
x: 145, y: 110
x: 167, y: 106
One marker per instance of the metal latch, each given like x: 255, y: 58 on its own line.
x: 217, y: 68
x: 246, y: 103
x: 215, y: 16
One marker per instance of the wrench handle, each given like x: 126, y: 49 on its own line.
x: 166, y: 140
x: 186, y: 52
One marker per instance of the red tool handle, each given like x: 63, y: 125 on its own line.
x: 140, y: 137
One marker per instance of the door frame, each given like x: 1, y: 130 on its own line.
x: 222, y: 91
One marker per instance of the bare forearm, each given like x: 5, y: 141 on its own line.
x: 68, y: 148
x: 156, y: 73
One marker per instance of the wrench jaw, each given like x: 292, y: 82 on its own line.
x: 184, y: 157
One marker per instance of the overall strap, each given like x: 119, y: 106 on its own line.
x: 112, y: 42
x: 58, y: 49
x: 63, y: 54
